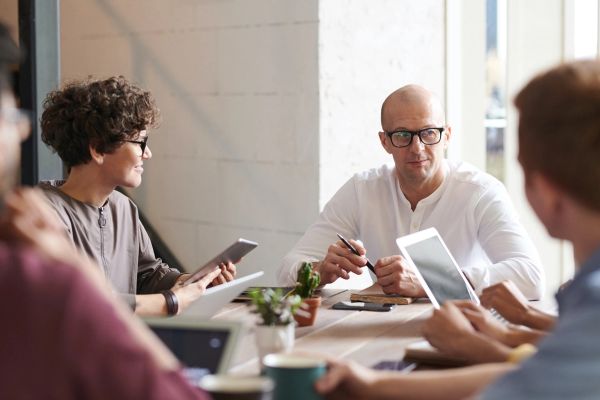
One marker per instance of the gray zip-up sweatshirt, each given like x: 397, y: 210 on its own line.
x: 114, y: 237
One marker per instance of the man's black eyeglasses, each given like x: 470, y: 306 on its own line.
x: 143, y: 143
x: 404, y: 138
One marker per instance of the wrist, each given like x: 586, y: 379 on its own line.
x: 530, y: 317
x: 316, y: 266
x: 513, y: 337
x: 482, y: 349
x: 171, y: 301
x: 537, y: 319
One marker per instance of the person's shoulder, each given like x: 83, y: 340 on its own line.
x: 589, y: 288
x: 122, y: 201
x: 51, y: 190
x: 380, y: 173
x: 464, y: 173
x: 583, y: 292
x: 24, y: 269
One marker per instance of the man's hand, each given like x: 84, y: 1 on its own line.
x: 506, y: 298
x: 397, y: 277
x: 450, y: 331
x: 483, y: 321
x: 187, y: 294
x: 346, y: 380
x: 340, y: 261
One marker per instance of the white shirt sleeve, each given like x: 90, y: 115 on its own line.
x: 340, y: 215
x: 511, y: 251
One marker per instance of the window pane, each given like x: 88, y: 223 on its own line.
x: 495, y: 115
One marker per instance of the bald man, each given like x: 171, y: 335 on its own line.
x: 422, y: 189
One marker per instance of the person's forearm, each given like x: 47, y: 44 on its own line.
x: 150, y: 305
x: 517, y: 336
x: 475, y: 349
x: 157, y: 350
x: 482, y: 349
x: 537, y: 319
x: 449, y: 384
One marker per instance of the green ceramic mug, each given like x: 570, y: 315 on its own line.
x: 294, y: 375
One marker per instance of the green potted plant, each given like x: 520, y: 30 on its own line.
x: 275, y: 332
x: 306, y: 283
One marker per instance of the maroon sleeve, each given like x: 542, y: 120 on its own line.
x: 67, y: 342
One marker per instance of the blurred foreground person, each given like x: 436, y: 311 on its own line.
x: 559, y: 149
x: 64, y: 336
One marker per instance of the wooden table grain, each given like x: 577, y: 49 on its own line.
x: 366, y: 337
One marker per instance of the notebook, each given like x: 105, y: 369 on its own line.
x: 202, y: 346
x: 218, y: 296
x: 374, y: 294
x: 436, y: 269
x: 424, y: 353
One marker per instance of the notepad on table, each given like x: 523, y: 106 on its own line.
x: 422, y: 352
x: 374, y: 294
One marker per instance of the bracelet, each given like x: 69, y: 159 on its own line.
x: 521, y: 353
x: 172, y: 302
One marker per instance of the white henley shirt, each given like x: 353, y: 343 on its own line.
x: 471, y: 210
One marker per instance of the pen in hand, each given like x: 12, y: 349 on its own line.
x: 352, y: 249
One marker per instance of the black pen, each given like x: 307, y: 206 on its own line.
x: 352, y: 249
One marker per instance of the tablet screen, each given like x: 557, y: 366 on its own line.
x: 231, y: 254
x: 438, y: 270
x: 195, y: 348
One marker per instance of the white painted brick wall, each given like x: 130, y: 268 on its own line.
x: 268, y: 106
x: 367, y: 49
x: 237, y: 82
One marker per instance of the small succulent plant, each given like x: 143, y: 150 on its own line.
x: 275, y: 306
x: 307, y: 282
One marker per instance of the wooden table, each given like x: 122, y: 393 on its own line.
x: 366, y: 337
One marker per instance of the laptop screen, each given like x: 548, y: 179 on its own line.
x: 195, y: 348
x: 438, y: 270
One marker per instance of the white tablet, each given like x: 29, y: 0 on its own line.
x: 216, y: 297
x: 436, y: 269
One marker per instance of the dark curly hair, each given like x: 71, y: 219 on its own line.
x: 97, y: 113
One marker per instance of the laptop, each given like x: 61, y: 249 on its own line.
x: 218, y: 296
x: 436, y: 269
x: 202, y: 346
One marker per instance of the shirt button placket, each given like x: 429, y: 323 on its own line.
x: 415, y: 221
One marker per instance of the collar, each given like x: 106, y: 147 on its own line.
x: 437, y: 193
x: 590, y: 266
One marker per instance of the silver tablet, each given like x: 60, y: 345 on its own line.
x: 436, y: 269
x: 233, y: 253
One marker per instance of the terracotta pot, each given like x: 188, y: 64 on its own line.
x: 309, y: 311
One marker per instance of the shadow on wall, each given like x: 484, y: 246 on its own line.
x: 144, y: 59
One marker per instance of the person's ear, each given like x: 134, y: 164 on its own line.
x: 447, y: 134
x: 547, y: 190
x: 383, y: 138
x: 547, y: 200
x: 97, y: 157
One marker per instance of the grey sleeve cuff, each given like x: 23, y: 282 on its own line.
x: 169, y: 279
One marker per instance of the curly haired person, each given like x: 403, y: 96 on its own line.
x: 99, y: 128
